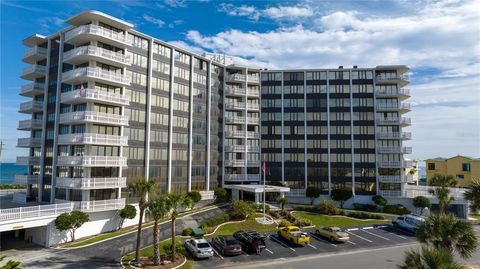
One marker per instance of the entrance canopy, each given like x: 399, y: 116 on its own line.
x: 256, y: 188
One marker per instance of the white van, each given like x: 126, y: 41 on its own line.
x: 408, y: 222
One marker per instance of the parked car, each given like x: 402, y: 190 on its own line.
x: 334, y: 234
x: 199, y: 248
x: 227, y: 245
x: 294, y: 235
x: 408, y: 222
x: 251, y: 241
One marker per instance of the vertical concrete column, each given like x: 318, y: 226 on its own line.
x: 190, y: 126
x: 351, y: 131
x: 328, y: 137
x: 170, y: 121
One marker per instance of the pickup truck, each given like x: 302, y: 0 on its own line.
x: 251, y: 241
x: 294, y: 235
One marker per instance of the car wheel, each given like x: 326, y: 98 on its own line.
x: 278, y: 233
x: 332, y: 239
x: 317, y: 232
x: 291, y: 240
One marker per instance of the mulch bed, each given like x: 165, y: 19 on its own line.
x: 147, y: 262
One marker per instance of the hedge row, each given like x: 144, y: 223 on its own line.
x: 329, y: 208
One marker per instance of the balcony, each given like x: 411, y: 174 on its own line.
x: 234, y: 91
x: 253, y: 93
x: 394, y: 135
x: 26, y: 179
x: 235, y: 105
x: 92, y: 139
x: 242, y: 163
x: 389, y: 164
x: 32, y: 89
x: 34, y: 54
x: 390, y: 193
x: 86, y: 53
x: 242, y: 134
x: 413, y: 191
x: 252, y: 120
x: 31, y: 107
x: 92, y: 161
x: 403, y: 150
x: 19, y: 213
x: 400, y: 79
x: 85, y: 33
x: 391, y: 179
x: 93, y: 117
x: 253, y: 79
x: 34, y: 71
x: 242, y: 177
x: 253, y: 106
x: 91, y: 183
x: 235, y: 120
x: 93, y: 95
x: 404, y: 107
x: 27, y: 125
x: 29, y: 142
x: 403, y: 121
x: 99, y: 205
x: 236, y: 78
x: 28, y: 160
x: 401, y: 93
x: 83, y: 74
x: 242, y: 148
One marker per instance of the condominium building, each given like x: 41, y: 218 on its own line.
x: 463, y: 168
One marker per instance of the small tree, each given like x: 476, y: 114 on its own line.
x: 473, y: 195
x: 128, y: 212
x: 312, y: 193
x: 241, y: 209
x: 71, y: 222
x: 221, y: 195
x: 341, y: 195
x: 195, y: 196
x: 421, y: 202
x: 174, y: 201
x: 283, y: 201
x: 379, y: 200
x: 157, y: 209
x: 442, y: 184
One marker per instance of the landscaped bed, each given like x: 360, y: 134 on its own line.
x: 249, y: 224
x: 337, y: 221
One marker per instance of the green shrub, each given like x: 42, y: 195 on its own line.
x: 168, y: 248
x: 396, y: 209
x: 217, y: 220
x: 284, y: 223
x: 221, y: 195
x: 307, y: 208
x: 363, y: 215
x: 195, y: 196
x: 326, y: 207
x: 301, y: 222
x: 365, y: 207
x: 205, y: 228
x: 241, y: 210
x: 11, y: 264
x: 187, y: 232
x: 274, y: 214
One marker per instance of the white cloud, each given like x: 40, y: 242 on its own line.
x: 240, y: 11
x: 275, y: 13
x: 175, y: 23
x: 175, y: 3
x: 150, y: 19
x: 49, y: 24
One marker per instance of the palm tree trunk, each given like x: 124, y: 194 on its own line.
x: 174, y: 245
x: 156, y: 237
x: 139, y: 236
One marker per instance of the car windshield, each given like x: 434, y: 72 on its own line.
x: 336, y: 229
x: 295, y: 230
x: 203, y: 245
x: 232, y: 242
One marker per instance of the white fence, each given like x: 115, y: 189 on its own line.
x: 34, y: 211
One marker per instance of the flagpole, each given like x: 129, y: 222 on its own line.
x: 264, y: 168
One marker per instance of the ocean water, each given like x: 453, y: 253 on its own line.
x: 9, y: 170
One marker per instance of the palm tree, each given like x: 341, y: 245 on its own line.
x: 157, y: 209
x: 174, y: 202
x: 473, y: 195
x: 283, y: 201
x: 446, y: 232
x: 442, y: 190
x: 141, y: 187
x: 429, y: 258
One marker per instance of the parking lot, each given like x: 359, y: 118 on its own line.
x: 360, y: 238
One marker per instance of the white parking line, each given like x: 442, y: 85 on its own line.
x: 350, y: 242
x: 271, y: 252
x: 218, y: 254
x: 310, y: 245
x: 379, y: 236
x: 396, y: 229
x: 361, y: 237
x: 367, y: 228
x: 394, y: 234
x: 281, y: 243
x: 322, y: 239
x: 352, y: 229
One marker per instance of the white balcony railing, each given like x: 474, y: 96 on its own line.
x: 390, y: 193
x: 99, y: 31
x: 242, y: 134
x: 394, y: 92
x: 33, y: 88
x: 35, y: 51
x: 234, y: 91
x: 394, y: 121
x: 252, y: 92
x: 398, y: 106
x: 28, y: 160
x: 117, y: 57
x: 96, y: 73
x: 93, y: 139
x: 99, y: 205
x: 30, y: 124
x: 235, y: 105
x: 253, y: 106
x: 93, y: 116
x: 236, y: 77
x: 380, y: 78
x: 390, y: 179
x: 31, y: 106
x: 92, y: 161
x: 394, y: 135
x: 91, y: 183
x: 28, y: 212
x: 95, y: 95
x: 242, y: 177
x: 26, y: 179
x: 242, y: 148
x: 404, y: 150
x: 29, y: 142
x: 253, y: 78
x: 428, y: 191
x: 242, y: 163
x: 390, y: 164
x: 252, y: 120
x: 34, y: 71
x: 235, y: 120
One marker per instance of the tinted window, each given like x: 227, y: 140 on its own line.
x: 203, y: 245
x: 232, y: 242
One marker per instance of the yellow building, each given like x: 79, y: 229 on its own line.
x: 463, y: 168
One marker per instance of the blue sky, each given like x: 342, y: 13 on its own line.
x: 439, y: 40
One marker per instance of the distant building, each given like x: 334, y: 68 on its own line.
x: 463, y: 168
x: 411, y: 173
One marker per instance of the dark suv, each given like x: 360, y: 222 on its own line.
x: 251, y: 241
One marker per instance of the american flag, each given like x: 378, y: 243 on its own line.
x: 264, y: 167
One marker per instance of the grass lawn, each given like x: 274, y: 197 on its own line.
x: 147, y: 252
x: 249, y: 224
x: 107, y: 235
x: 475, y: 216
x: 337, y: 221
